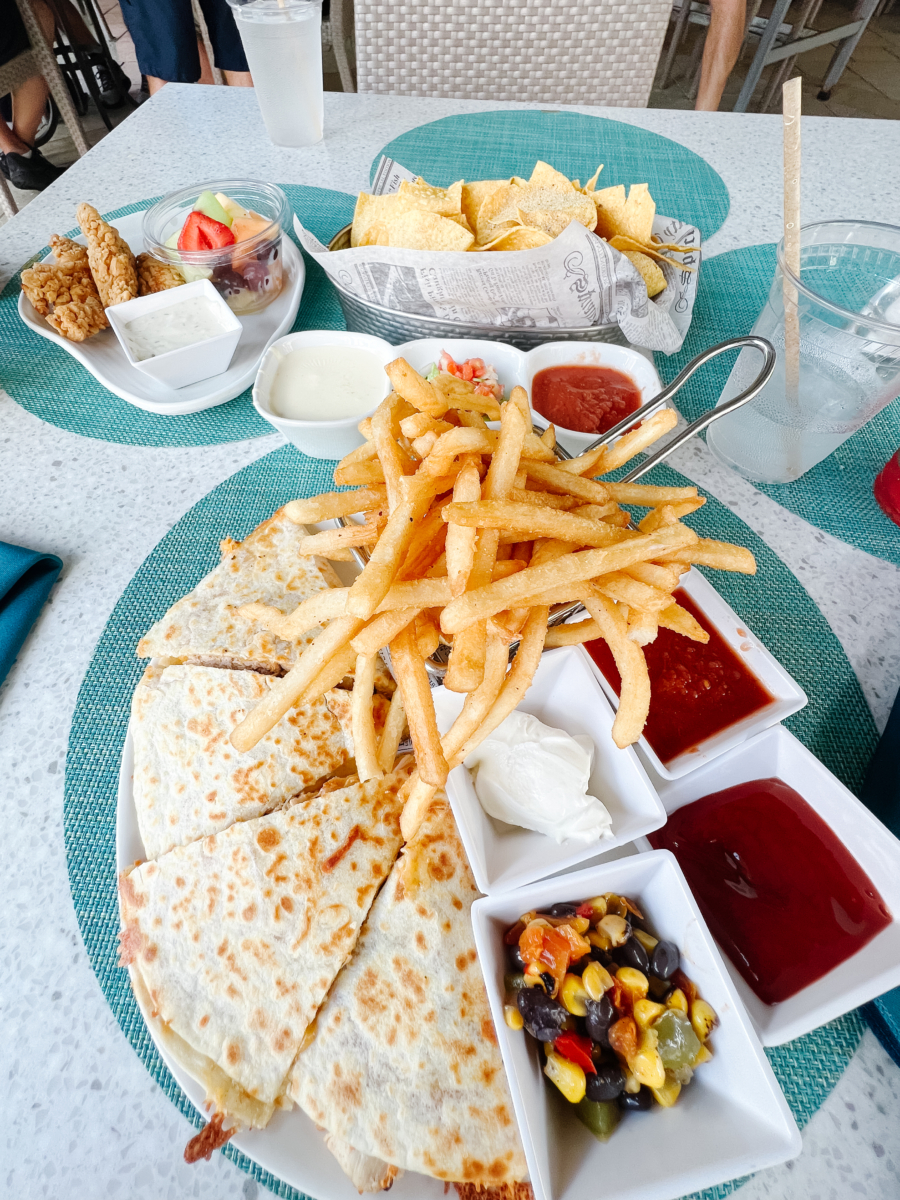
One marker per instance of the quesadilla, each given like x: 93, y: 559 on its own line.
x: 190, y: 782
x: 404, y: 1066
x: 267, y: 566
x: 339, y: 701
x: 233, y: 941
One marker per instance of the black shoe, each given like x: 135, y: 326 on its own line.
x: 31, y: 174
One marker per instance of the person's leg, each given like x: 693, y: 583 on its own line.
x: 29, y: 102
x: 226, y: 43
x: 165, y: 40
x: 723, y: 45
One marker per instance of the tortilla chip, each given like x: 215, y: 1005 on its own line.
x: 627, y: 243
x: 637, y: 218
x: 369, y: 211
x: 592, y: 182
x: 498, y: 211
x: 421, y: 230
x: 610, y: 203
x: 648, y: 270
x: 474, y: 195
x: 545, y: 176
x: 420, y: 194
x: 521, y: 237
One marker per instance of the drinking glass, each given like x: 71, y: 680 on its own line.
x: 848, y: 305
x: 283, y: 43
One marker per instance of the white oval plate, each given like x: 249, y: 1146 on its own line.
x: 290, y: 1146
x: 105, y: 359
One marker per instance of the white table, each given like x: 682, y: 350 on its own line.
x: 81, y: 1118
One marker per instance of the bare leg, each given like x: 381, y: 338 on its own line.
x: 238, y: 78
x: 720, y: 53
x: 28, y: 108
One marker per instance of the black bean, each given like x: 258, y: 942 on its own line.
x: 548, y: 981
x: 562, y: 910
x: 636, y: 1101
x: 516, y: 961
x: 665, y: 959
x: 607, y: 1084
x: 600, y: 1014
x: 543, y: 1016
x: 632, y: 954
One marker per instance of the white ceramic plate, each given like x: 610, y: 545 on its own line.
x: 106, y: 360
x: 290, y: 1146
x: 871, y: 971
x: 564, y: 695
x: 788, y: 696
x: 731, y: 1120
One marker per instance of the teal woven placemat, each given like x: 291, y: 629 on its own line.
x: 52, y: 385
x: 836, y: 725
x: 836, y: 495
x: 495, y: 145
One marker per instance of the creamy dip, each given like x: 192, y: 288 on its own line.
x: 326, y: 383
x: 181, y: 323
x: 528, y: 774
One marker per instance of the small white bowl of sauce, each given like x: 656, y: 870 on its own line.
x: 315, y: 387
x: 179, y: 336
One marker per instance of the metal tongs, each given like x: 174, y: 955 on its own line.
x: 437, y: 666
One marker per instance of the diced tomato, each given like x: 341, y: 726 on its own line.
x: 585, y: 910
x: 620, y: 997
x: 547, y: 948
x: 576, y: 1049
x: 578, y: 946
x: 513, y: 934
x: 201, y: 232
x: 623, y: 1037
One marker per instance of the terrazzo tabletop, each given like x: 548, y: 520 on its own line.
x: 81, y: 1118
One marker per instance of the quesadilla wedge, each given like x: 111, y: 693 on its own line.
x: 190, y: 782
x: 233, y: 941
x: 404, y: 1066
x: 267, y: 566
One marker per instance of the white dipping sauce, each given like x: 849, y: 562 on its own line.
x: 326, y: 383
x: 181, y: 323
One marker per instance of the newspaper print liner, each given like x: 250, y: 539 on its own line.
x: 577, y: 283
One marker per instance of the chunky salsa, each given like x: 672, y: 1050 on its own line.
x: 757, y: 853
x: 587, y: 399
x: 696, y: 689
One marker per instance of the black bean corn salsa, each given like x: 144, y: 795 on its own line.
x: 622, y: 1025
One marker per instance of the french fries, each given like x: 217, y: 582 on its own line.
x: 474, y: 534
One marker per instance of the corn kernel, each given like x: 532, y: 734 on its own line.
x: 600, y: 940
x: 573, y: 995
x: 635, y: 981
x: 598, y: 906
x: 596, y: 980
x: 669, y: 1092
x: 632, y: 1085
x: 567, y: 1076
x: 704, y: 1055
x: 703, y: 1019
x: 647, y: 1065
x: 579, y: 924
x: 615, y: 928
x: 677, y: 999
x: 647, y: 940
x: 646, y: 1011
x: 512, y: 1016
x: 615, y: 904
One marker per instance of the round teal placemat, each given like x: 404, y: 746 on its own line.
x: 836, y: 495
x: 495, y: 145
x: 836, y: 725
x: 52, y: 385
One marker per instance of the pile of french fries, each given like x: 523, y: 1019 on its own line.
x: 473, y: 535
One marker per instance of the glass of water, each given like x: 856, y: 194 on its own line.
x: 848, y: 306
x: 283, y: 43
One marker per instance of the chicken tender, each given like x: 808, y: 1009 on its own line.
x: 111, y: 261
x: 79, y: 319
x: 64, y: 282
x: 156, y: 276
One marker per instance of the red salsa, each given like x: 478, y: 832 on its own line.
x: 584, y: 398
x: 782, y: 895
x: 696, y: 689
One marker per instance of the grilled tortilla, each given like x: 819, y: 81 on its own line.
x: 267, y: 566
x: 233, y: 941
x: 404, y: 1066
x: 189, y: 781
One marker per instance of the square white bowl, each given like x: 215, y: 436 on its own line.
x: 319, y: 439
x: 564, y: 695
x: 788, y: 696
x: 870, y: 972
x: 519, y: 367
x: 733, y: 1118
x: 189, y: 364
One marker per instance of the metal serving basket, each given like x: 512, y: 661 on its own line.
x: 396, y: 327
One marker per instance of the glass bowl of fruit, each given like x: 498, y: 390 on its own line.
x: 227, y: 232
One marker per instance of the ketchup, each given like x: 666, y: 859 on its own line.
x: 696, y: 689
x: 782, y: 895
x: 587, y: 399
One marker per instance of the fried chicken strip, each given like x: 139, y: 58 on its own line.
x: 111, y: 261
x: 155, y: 275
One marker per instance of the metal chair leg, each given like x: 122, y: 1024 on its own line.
x: 766, y: 43
x: 681, y: 22
x: 845, y: 48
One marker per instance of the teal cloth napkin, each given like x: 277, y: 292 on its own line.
x: 881, y: 793
x: 26, y: 578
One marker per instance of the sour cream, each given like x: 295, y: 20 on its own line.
x: 536, y: 777
x: 327, y: 383
x: 179, y: 324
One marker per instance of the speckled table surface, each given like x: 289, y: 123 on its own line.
x: 80, y: 1116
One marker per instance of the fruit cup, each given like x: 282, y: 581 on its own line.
x: 248, y: 272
